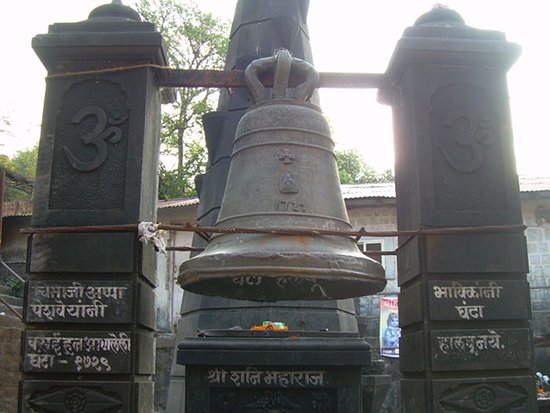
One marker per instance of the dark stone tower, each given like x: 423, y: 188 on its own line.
x: 259, y: 28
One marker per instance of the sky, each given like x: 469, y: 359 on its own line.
x: 354, y: 36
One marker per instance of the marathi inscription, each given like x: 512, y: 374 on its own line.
x: 457, y: 290
x: 74, y: 351
x: 253, y: 377
x: 53, y: 311
x: 473, y: 344
x: 87, y: 301
x: 478, y: 300
x: 248, y: 280
x: 290, y: 282
x: 470, y: 312
x: 476, y: 349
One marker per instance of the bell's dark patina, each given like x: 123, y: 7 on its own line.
x: 283, y: 174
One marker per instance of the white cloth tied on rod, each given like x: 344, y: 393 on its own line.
x: 149, y: 232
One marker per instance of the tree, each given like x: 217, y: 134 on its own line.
x: 20, y: 173
x: 194, y: 40
x: 353, y: 169
x: 4, y: 124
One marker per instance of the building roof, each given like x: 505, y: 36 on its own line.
x: 387, y: 190
x: 383, y: 190
x: 534, y: 184
x: 17, y: 209
x: 178, y: 202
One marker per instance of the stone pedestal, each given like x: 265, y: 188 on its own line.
x: 464, y: 303
x: 89, y: 306
x: 244, y: 371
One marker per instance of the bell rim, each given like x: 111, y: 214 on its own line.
x: 271, y: 281
x: 268, y: 292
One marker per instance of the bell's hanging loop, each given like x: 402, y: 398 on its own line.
x: 283, y: 175
x: 281, y: 63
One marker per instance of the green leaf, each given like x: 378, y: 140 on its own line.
x: 194, y: 40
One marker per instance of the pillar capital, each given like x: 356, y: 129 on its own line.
x: 441, y: 36
x: 113, y: 33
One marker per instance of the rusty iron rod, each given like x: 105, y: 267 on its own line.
x: 9, y: 307
x: 235, y: 79
x: 280, y: 231
x: 185, y: 249
x: 194, y: 249
x: 319, y: 232
x: 12, y: 272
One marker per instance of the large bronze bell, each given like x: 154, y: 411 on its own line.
x: 283, y: 174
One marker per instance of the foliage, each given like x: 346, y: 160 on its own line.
x: 353, y: 169
x: 5, y: 123
x: 23, y: 168
x: 194, y: 40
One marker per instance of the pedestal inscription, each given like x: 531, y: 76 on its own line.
x: 273, y: 400
x: 251, y: 376
x: 466, y: 300
x: 251, y: 388
x: 82, y: 301
x: 480, y: 349
x: 78, y: 352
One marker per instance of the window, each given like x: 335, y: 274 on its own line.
x: 368, y: 245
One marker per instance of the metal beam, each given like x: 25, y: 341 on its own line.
x: 235, y: 79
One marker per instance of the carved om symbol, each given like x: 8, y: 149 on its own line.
x: 469, y: 131
x: 96, y: 137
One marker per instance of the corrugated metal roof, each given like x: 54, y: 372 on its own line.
x: 17, y: 209
x: 384, y: 190
x: 534, y: 184
x: 178, y: 202
x: 387, y: 190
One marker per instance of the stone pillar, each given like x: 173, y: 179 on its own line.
x: 464, y: 303
x: 89, y: 308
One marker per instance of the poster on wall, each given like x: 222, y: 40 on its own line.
x: 389, y: 327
